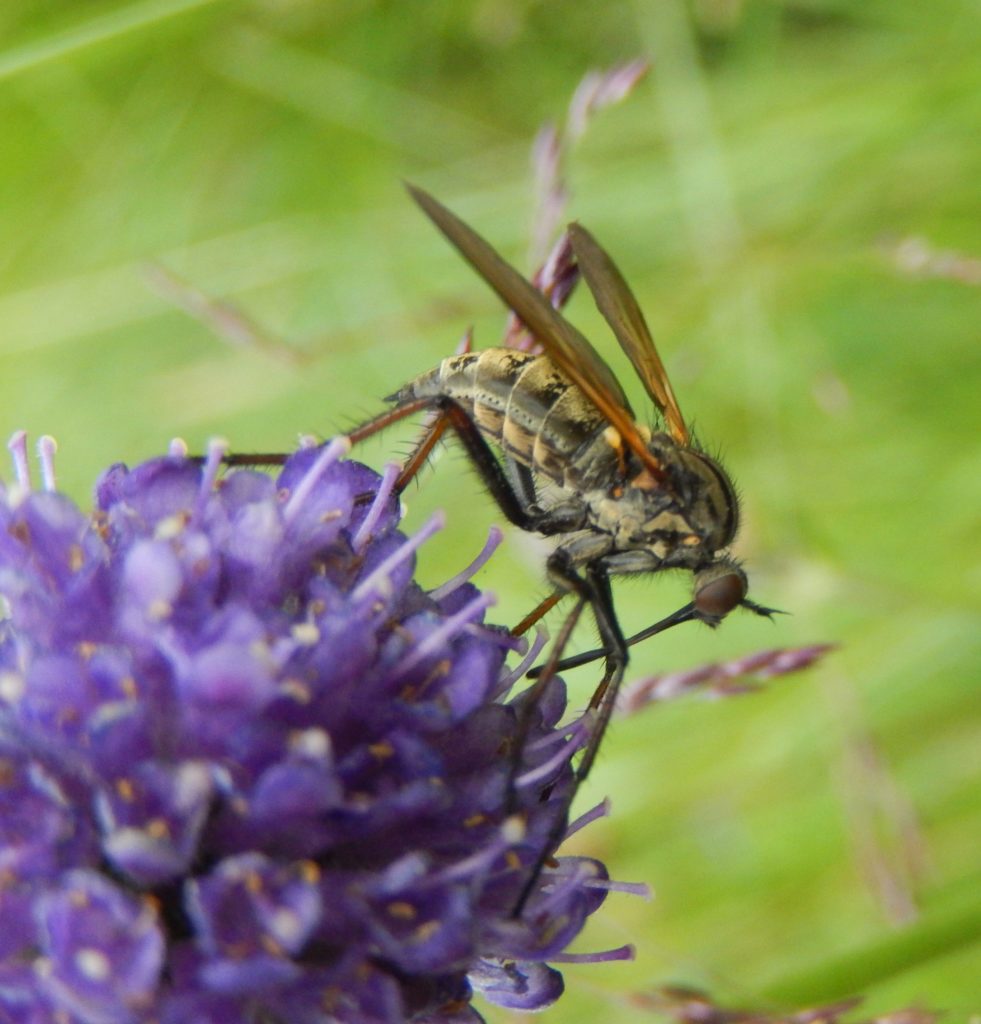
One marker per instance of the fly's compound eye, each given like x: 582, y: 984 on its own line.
x: 718, y: 590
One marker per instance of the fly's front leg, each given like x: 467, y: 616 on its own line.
x: 593, y: 587
x: 604, y: 697
x: 561, y: 571
x: 590, y: 589
x: 592, y: 584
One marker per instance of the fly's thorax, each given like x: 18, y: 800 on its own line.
x: 682, y: 520
x: 648, y: 519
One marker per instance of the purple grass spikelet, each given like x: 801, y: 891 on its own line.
x: 721, y: 679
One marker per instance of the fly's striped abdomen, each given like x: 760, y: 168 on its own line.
x: 524, y: 405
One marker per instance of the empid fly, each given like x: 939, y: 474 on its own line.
x: 558, y: 446
x: 556, y: 443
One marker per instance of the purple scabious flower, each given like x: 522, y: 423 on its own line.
x: 252, y: 773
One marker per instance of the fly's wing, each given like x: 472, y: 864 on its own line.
x: 616, y: 302
x: 566, y: 346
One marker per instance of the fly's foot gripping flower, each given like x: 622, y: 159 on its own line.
x: 252, y: 773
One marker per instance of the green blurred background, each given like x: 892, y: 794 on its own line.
x: 793, y: 192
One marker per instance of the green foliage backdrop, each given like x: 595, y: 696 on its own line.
x: 793, y: 193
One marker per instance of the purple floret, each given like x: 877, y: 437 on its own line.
x: 252, y: 773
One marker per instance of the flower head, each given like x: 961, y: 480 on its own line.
x: 252, y: 773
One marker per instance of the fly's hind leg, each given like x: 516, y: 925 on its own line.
x: 450, y: 414
x: 365, y: 430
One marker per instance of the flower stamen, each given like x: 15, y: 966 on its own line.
x: 510, y: 678
x: 641, y: 889
x: 494, y: 538
x: 577, y: 739
x: 384, y: 492
x: 17, y: 446
x: 217, y: 450
x: 441, y: 636
x: 600, y: 810
x: 625, y: 952
x: 337, y: 449
x: 47, y: 446
x: 373, y: 585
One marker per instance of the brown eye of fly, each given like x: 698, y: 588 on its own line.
x: 719, y: 596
